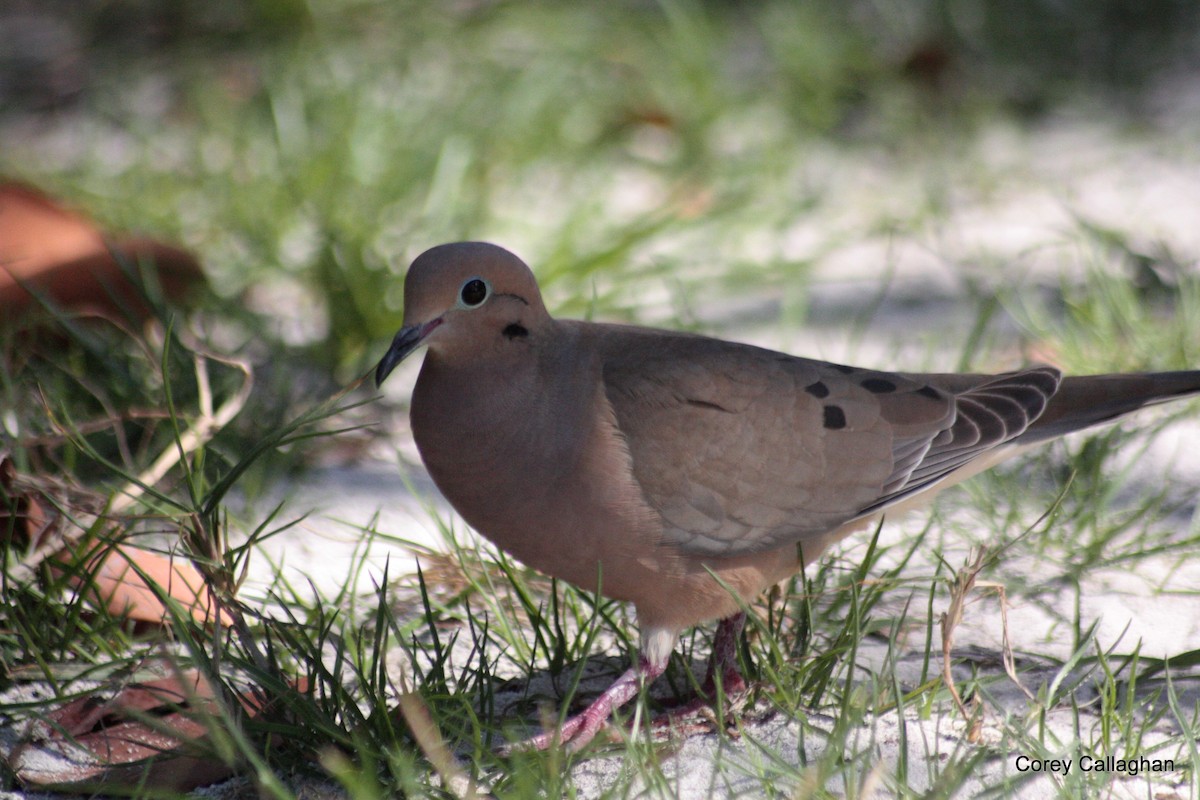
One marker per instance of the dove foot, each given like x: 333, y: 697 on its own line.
x: 577, y: 731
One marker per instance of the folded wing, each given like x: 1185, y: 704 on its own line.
x: 741, y: 449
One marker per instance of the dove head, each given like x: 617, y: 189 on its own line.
x: 465, y: 300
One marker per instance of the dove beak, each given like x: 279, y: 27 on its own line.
x: 408, y: 338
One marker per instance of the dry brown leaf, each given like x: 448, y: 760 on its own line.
x: 49, y: 251
x: 147, y: 734
x: 128, y: 581
x: 124, y: 579
x: 150, y: 734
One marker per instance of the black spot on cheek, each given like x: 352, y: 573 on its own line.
x: 515, y: 331
x: 817, y: 390
x: 835, y: 418
x: 878, y: 385
x: 930, y: 392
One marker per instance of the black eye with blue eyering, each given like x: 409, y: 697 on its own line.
x: 474, y: 292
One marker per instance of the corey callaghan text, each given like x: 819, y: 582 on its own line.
x: 1087, y: 763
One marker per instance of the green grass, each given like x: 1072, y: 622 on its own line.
x: 651, y: 161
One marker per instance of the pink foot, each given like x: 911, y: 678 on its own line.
x: 580, y: 729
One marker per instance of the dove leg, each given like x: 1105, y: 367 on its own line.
x: 723, y: 660
x: 577, y: 731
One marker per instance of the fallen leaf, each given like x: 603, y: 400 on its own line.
x: 126, y: 580
x: 50, y: 252
x: 129, y: 582
x: 151, y: 734
x: 148, y: 734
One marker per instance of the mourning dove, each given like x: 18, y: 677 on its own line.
x: 686, y: 474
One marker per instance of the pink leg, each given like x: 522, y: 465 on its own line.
x: 581, y: 728
x: 722, y: 661
x: 724, y: 657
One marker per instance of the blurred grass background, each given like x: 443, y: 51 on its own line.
x: 307, y: 151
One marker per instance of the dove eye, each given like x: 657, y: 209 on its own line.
x: 474, y: 292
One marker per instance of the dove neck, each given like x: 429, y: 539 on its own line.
x: 501, y: 421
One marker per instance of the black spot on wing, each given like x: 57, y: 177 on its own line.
x: 818, y: 390
x: 835, y: 418
x: 878, y: 385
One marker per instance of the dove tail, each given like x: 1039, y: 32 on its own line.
x: 1088, y: 400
